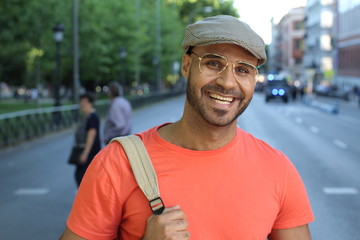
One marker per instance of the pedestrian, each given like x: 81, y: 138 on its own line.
x: 293, y: 89
x: 302, y: 92
x: 216, y: 180
x: 118, y: 120
x: 87, y: 135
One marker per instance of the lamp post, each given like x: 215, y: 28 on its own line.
x: 122, y: 55
x: 157, y: 57
x: 76, y: 74
x: 58, y: 31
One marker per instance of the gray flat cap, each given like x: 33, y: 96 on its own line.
x: 224, y: 29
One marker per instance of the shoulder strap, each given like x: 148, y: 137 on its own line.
x: 143, y: 170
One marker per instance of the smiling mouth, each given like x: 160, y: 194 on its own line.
x: 220, y: 99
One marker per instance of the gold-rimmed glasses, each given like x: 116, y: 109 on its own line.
x: 212, y: 64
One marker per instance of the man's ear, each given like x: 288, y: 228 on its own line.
x: 186, y: 64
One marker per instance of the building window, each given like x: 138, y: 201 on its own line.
x: 299, y: 25
x: 327, y: 2
x: 345, y: 6
x: 327, y: 19
x: 349, y: 59
x: 299, y: 44
x: 326, y: 42
x: 326, y: 63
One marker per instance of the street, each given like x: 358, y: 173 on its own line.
x: 38, y: 187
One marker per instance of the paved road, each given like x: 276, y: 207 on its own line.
x: 326, y: 150
x: 37, y: 186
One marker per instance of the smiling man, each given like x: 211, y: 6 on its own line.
x: 217, y: 181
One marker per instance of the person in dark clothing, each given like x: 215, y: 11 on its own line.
x: 293, y: 93
x: 87, y: 135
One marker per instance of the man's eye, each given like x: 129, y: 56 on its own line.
x: 241, y: 70
x: 213, y: 64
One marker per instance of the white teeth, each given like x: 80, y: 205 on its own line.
x: 220, y: 99
x: 221, y: 102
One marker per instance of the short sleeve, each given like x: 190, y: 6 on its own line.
x: 295, y: 209
x: 96, y: 212
x: 92, y: 122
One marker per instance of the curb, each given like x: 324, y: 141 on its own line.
x: 332, y: 107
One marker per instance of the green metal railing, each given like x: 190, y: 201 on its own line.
x: 28, y: 124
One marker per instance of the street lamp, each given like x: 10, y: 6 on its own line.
x: 58, y: 31
x: 122, y: 55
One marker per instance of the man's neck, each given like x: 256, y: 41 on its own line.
x: 198, y: 135
x: 90, y: 111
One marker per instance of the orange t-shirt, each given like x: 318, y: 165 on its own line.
x: 239, y: 191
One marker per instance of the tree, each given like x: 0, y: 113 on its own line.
x: 28, y: 49
x: 191, y: 11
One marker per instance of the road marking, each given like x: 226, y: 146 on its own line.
x: 340, y: 144
x: 298, y: 120
x: 31, y: 191
x: 314, y: 129
x: 340, y: 190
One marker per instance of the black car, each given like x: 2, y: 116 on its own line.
x: 277, y: 88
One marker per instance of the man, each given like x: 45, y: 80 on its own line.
x: 217, y: 181
x: 118, y: 121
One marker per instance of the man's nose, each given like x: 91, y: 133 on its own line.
x: 226, y: 78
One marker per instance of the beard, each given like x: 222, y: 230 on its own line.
x: 214, y: 116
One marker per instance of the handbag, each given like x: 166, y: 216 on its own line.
x: 143, y: 170
x: 74, y: 157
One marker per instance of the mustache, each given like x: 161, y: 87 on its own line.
x: 221, y: 90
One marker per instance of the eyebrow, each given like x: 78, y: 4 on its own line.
x: 214, y: 55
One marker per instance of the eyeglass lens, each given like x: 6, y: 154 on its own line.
x: 212, y: 64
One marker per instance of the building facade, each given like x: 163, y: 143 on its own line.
x: 287, y: 48
x: 319, y: 58
x: 348, y: 44
x: 274, y: 55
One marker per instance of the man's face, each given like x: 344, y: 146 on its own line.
x: 219, y: 99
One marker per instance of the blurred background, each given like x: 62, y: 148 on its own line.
x: 307, y: 99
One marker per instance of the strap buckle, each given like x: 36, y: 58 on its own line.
x: 157, y: 206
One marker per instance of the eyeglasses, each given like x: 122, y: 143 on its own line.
x: 211, y: 64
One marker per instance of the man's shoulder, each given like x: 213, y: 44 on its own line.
x: 147, y: 135
x: 259, y: 146
x: 121, y: 100
x: 113, y: 156
x: 94, y: 116
x: 120, y: 103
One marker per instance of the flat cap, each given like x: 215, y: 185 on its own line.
x: 224, y: 29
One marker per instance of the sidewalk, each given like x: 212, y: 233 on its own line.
x: 334, y: 105
x: 37, y: 141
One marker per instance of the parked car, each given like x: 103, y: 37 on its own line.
x: 277, y: 88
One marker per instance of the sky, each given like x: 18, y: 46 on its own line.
x: 258, y: 13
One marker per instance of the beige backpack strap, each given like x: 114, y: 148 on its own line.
x: 143, y: 170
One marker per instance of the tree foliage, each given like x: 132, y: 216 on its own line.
x: 27, y: 55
